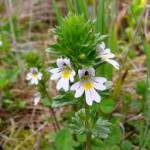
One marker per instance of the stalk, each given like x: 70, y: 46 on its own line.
x: 88, y: 142
x: 52, y: 111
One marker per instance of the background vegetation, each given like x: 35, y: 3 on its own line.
x: 26, y: 31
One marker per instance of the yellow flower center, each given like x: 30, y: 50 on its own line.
x: 66, y: 73
x: 105, y: 57
x: 35, y: 75
x: 88, y: 85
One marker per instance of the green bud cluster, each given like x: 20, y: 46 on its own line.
x: 76, y: 40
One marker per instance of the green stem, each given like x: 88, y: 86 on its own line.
x: 87, y: 113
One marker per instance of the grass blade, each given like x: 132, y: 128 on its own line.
x: 57, y: 12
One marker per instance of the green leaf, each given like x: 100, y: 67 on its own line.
x: 126, y: 145
x: 114, y: 137
x: 64, y: 100
x: 107, y: 106
x: 64, y: 140
x: 115, y: 147
x: 46, y: 102
x: 78, y: 122
x: 56, y: 10
x: 101, y: 128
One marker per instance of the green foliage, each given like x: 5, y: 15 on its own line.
x: 64, y: 99
x: 76, y: 40
x: 64, y: 140
x: 141, y: 88
x: 57, y: 12
x: 115, y: 136
x: 126, y: 145
x: 8, y: 76
x: 138, y: 6
x: 81, y: 7
x: 107, y: 106
x: 99, y: 128
x: 46, y: 102
x: 33, y: 60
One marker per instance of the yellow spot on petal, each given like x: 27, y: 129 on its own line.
x: 88, y: 85
x: 105, y: 57
x: 35, y: 75
x: 66, y: 73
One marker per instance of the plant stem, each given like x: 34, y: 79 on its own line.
x: 52, y: 111
x: 87, y: 113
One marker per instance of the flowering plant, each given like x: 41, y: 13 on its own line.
x: 79, y: 53
x: 79, y: 50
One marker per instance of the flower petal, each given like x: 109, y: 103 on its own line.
x: 55, y: 70
x: 101, y: 46
x: 55, y: 76
x: 99, y: 79
x: 110, y: 55
x: 72, y: 76
x: 63, y: 83
x: 91, y: 71
x: 60, y: 62
x: 29, y: 76
x: 99, y: 86
x: 113, y: 62
x: 95, y: 96
x: 107, y: 51
x: 67, y: 61
x: 75, y: 86
x: 79, y: 92
x: 34, y: 81
x: 88, y: 97
x: 81, y: 72
x: 34, y: 69
x: 39, y: 76
x: 36, y: 100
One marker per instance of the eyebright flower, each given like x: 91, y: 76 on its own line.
x: 64, y: 73
x: 1, y: 43
x: 106, y: 55
x: 88, y: 83
x: 34, y: 76
x: 37, y: 98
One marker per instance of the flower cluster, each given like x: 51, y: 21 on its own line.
x: 64, y: 73
x: 34, y: 76
x: 106, y: 55
x: 88, y: 83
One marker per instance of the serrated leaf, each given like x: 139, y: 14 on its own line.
x: 64, y: 100
x: 101, y: 128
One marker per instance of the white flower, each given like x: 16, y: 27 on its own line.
x: 34, y: 76
x: 106, y: 55
x: 88, y: 83
x: 64, y: 73
x: 36, y: 98
x: 1, y: 43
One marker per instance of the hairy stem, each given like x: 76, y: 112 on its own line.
x: 52, y: 111
x: 87, y: 113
